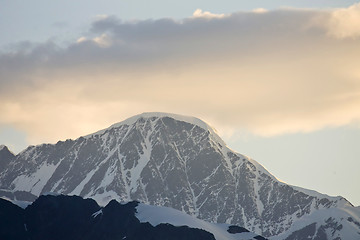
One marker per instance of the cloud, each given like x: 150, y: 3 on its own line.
x: 259, y: 10
x: 269, y: 73
x: 101, y: 16
x: 201, y: 14
x: 81, y: 39
x: 345, y: 23
x: 103, y: 41
x: 340, y: 23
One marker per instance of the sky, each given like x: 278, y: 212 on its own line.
x: 279, y: 80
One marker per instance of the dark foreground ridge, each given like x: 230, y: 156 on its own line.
x: 72, y: 217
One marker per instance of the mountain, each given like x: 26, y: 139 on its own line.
x: 6, y: 156
x: 332, y: 223
x: 175, y: 161
x: 72, y: 217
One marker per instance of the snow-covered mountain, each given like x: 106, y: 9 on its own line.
x: 175, y: 161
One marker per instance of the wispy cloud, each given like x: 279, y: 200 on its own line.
x: 271, y: 73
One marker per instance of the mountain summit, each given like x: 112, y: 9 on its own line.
x: 179, y: 162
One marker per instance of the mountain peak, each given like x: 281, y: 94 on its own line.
x: 145, y: 115
x: 158, y: 115
x: 5, y: 150
x: 6, y: 156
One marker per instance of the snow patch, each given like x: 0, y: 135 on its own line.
x: 35, y: 182
x: 81, y: 186
x: 104, y: 198
x: 95, y: 214
x: 156, y: 215
x: 143, y: 161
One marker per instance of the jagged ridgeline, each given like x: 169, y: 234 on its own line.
x: 180, y: 162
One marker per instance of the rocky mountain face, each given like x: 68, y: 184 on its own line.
x: 5, y: 156
x: 176, y: 161
x: 72, y: 217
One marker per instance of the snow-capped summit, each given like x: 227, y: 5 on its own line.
x: 167, y: 160
x: 159, y: 115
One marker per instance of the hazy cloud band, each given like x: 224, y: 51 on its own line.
x: 270, y: 72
